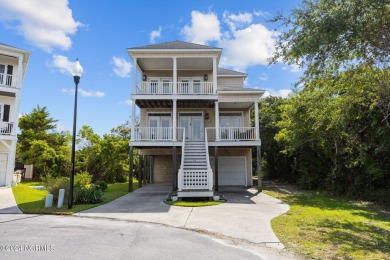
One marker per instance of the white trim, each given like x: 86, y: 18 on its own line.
x: 241, y: 92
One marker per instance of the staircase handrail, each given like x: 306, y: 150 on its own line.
x: 182, y: 148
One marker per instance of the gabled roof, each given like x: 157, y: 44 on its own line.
x: 226, y: 72
x: 174, y: 45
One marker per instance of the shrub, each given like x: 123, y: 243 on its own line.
x: 82, y: 180
x: 102, y: 185
x: 88, y: 196
x: 53, y: 186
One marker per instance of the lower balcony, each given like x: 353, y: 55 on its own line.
x: 170, y: 136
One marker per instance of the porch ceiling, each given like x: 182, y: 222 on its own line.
x: 164, y: 103
x: 182, y: 63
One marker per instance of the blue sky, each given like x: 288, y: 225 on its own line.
x: 98, y: 33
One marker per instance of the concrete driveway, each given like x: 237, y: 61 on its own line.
x: 245, y: 216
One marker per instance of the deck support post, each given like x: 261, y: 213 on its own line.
x: 145, y: 170
x: 259, y: 175
x: 216, y: 168
x: 131, y: 167
x: 152, y: 169
x: 174, y: 170
x: 140, y: 164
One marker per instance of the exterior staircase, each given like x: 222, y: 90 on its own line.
x: 195, y: 174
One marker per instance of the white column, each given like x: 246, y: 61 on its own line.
x: 174, y: 75
x: 174, y: 123
x: 216, y: 120
x: 11, y: 163
x: 215, y: 69
x: 20, y: 73
x: 135, y: 76
x: 132, y: 119
x: 257, y: 121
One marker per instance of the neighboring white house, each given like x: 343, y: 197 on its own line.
x: 193, y: 116
x: 13, y: 64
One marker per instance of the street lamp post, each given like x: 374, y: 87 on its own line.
x: 76, y: 72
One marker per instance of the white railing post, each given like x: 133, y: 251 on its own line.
x: 216, y: 121
x: 174, y: 75
x: 257, y: 120
x: 180, y: 178
x: 215, y: 68
x: 132, y: 102
x: 174, y: 119
x: 135, y: 76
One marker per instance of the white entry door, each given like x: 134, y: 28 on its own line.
x: 193, y: 127
x: 3, y: 168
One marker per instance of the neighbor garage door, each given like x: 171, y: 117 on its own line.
x: 3, y: 168
x: 231, y: 170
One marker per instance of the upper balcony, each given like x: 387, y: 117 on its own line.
x: 171, y: 88
x: 8, y: 80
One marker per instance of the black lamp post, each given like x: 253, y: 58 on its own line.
x: 76, y: 72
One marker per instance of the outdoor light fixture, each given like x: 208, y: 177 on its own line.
x: 206, y: 116
x: 76, y: 72
x: 144, y: 77
x: 205, y: 77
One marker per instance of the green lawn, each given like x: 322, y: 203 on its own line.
x: 324, y: 227
x: 32, y: 201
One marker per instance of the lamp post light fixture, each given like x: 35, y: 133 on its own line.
x: 76, y: 72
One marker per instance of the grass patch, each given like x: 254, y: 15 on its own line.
x: 193, y: 203
x: 323, y: 227
x: 32, y: 201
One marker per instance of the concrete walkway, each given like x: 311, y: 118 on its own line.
x: 7, y: 202
x: 245, y: 216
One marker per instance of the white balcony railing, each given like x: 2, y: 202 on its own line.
x: 187, y: 88
x: 6, y: 128
x: 232, y: 133
x: 182, y: 88
x: 157, y: 134
x: 8, y: 80
x: 155, y: 88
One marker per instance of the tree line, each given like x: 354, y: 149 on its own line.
x: 333, y: 132
x: 104, y: 157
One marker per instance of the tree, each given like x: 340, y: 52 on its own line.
x: 40, y: 145
x: 276, y: 164
x: 330, y: 36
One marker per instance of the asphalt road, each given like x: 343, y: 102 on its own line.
x: 70, y: 237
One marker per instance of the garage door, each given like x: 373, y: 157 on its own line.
x: 231, y: 170
x: 3, y: 168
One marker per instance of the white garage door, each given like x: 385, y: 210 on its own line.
x: 231, y: 170
x: 3, y: 168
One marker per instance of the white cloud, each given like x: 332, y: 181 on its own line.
x: 63, y: 64
x: 263, y: 77
x: 121, y: 67
x: 155, y: 35
x: 46, y: 24
x: 61, y: 128
x: 128, y: 102
x: 84, y: 93
x: 294, y: 68
x: 249, y: 46
x: 260, y: 13
x: 235, y: 21
x: 277, y: 93
x: 205, y: 27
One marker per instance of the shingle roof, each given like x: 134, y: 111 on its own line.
x: 8, y: 45
x: 175, y: 45
x: 226, y: 72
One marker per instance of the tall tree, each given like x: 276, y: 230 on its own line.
x: 329, y: 36
x: 40, y: 145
